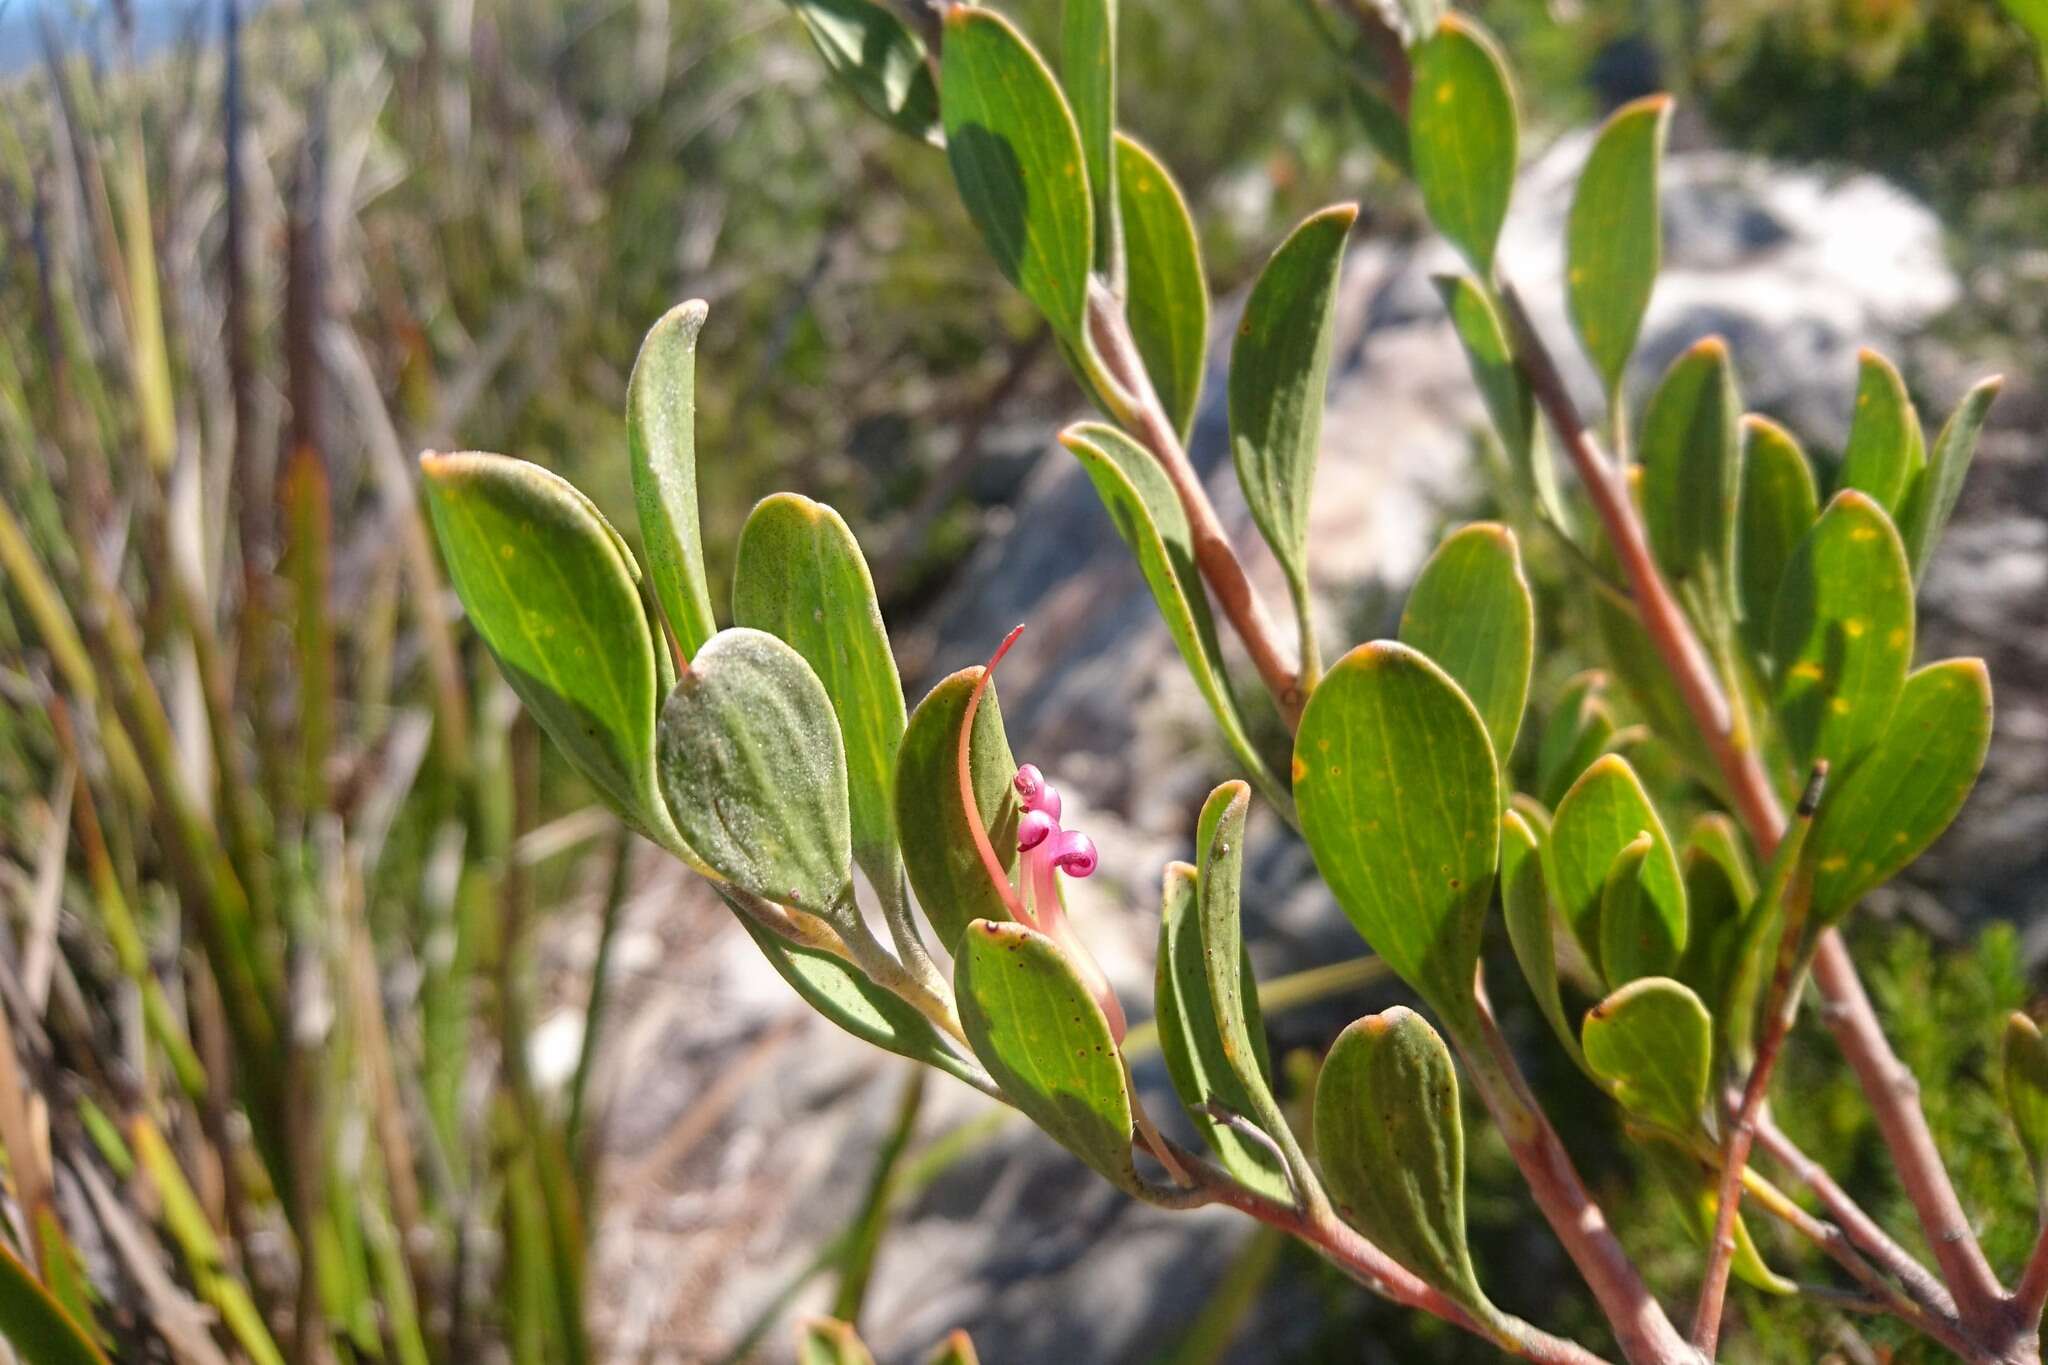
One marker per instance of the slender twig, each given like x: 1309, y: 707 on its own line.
x: 1785, y: 903
x: 1640, y: 1326
x: 2032, y: 1290
x: 1141, y: 412
x: 1858, y: 1226
x: 1888, y: 1086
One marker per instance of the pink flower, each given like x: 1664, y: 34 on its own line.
x: 1047, y: 850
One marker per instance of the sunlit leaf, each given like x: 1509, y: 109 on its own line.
x: 1652, y: 1044
x: 1017, y: 157
x: 661, y: 440
x: 1613, y: 236
x: 938, y: 851
x: 1166, y: 295
x: 1392, y: 1148
x: 1931, y: 495
x: 1035, y: 1025
x: 1602, y: 815
x: 1471, y: 612
x: 1891, y: 805
x: 1885, y: 450
x: 1779, y: 506
x: 1088, y: 72
x: 1462, y: 137
x: 1692, y: 466
x: 1400, y: 804
x: 1279, y: 367
x: 800, y: 576
x: 1842, y: 633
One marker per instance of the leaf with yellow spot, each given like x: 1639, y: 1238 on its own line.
x: 1692, y: 468
x: 1400, y: 804
x: 1842, y: 633
x: 1613, y: 237
x: 1886, y: 449
x: 1885, y: 811
x: 1166, y: 296
x: 1462, y: 137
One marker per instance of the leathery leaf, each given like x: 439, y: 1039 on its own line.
x: 1652, y: 1045
x: 1036, y: 1027
x: 1392, y: 1148
x: 938, y: 851
x: 1471, y: 611
x: 1603, y: 814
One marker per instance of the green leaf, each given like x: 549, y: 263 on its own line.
x: 945, y: 870
x: 1931, y: 497
x: 800, y: 576
x: 1279, y: 367
x: 1166, y: 295
x: 1392, y: 1147
x: 1577, y: 732
x: 828, y: 1341
x: 1195, y: 1048
x: 1148, y: 515
x: 1470, y: 611
x: 1462, y: 135
x: 548, y: 585
x: 1509, y: 403
x: 1602, y: 815
x: 1692, y: 469
x: 1613, y: 237
x: 1886, y: 810
x: 2024, y: 1062
x: 1526, y: 903
x: 880, y: 59
x: 1038, y: 1030
x: 1720, y: 893
x: 33, y: 1323
x: 661, y: 442
x: 1017, y: 157
x: 755, y: 773
x: 1088, y: 67
x: 1842, y: 633
x: 1635, y: 937
x: 842, y: 993
x: 1400, y: 804
x: 1652, y: 1043
x: 1779, y: 506
x: 1885, y: 447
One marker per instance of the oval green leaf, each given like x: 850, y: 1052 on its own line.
x: 880, y: 59
x: 1470, y: 610
x: 1036, y: 1027
x: 1279, y: 368
x: 1885, y: 447
x: 755, y: 773
x: 1904, y: 792
x: 1400, y: 804
x: 800, y: 576
x: 945, y: 869
x: 1842, y: 633
x: 1462, y: 137
x: 1614, y: 237
x: 1166, y: 295
x: 1148, y: 516
x: 661, y: 443
x: 1931, y: 496
x: 1779, y: 506
x: 1692, y: 467
x: 1195, y: 1049
x: 1391, y: 1145
x: 1652, y: 1045
x: 1602, y: 814
x: 1017, y: 157
x: 548, y: 584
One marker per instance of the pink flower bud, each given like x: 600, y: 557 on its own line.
x: 1074, y: 853
x: 1034, y: 828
